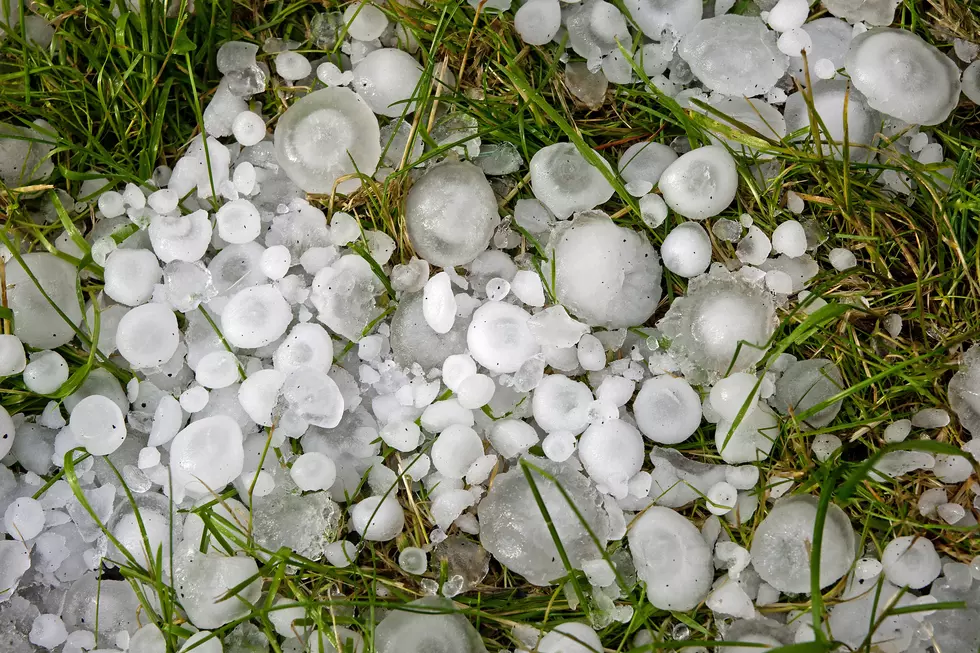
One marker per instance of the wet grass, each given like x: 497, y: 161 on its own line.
x: 123, y: 93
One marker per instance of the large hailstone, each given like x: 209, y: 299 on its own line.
x: 657, y: 18
x: 708, y: 49
x: 873, y: 12
x: 829, y: 99
x: 903, y: 76
x: 255, y: 317
x: 671, y: 558
x: 499, y: 338
x: 206, y: 456
x: 451, y: 213
x: 911, y: 560
x: 513, y: 529
x: 326, y: 135
x: 427, y: 625
x: 566, y: 182
x: 38, y: 322
x: 781, y: 546
x: 386, y: 79
x: 700, y: 184
x: 605, y: 274
x: 964, y: 391
x: 148, y: 336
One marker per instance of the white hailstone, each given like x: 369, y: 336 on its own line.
x: 829, y: 101
x: 98, y: 424
x: 672, y: 559
x: 167, y: 420
x: 570, y: 637
x: 13, y: 358
x: 45, y: 373
x: 527, y: 287
x: 180, y: 237
x: 130, y: 275
x: 497, y: 289
x: 567, y: 182
x: 163, y: 201
x: 721, y: 498
x: 292, y: 66
x: 313, y: 471
x: 259, y: 394
x: 930, y: 418
x: 439, y: 303
x: 754, y: 248
x: 660, y: 20
x: 455, y: 449
x: 197, y: 643
x: 499, y: 337
x: 24, y: 519
x: 456, y: 369
x: 148, y: 457
x: 387, y: 79
x: 48, y: 631
x: 365, y: 22
x: 147, y: 336
x: 731, y: 394
x: 238, y: 222
x: 667, y: 409
x: 306, y: 345
x: 742, y: 477
x: 378, y: 519
x: 686, y: 251
x: 248, y: 128
x: 111, y: 204
x: 755, y: 114
x: 952, y: 469
x: 752, y: 440
x: 7, y: 432
x: 794, y: 42
x: 911, y: 561
x: 591, y: 354
x: 275, y: 262
x: 244, y: 178
x: 512, y: 437
x: 206, y: 456
x: 476, y: 391
x: 971, y: 82
x: 616, y: 390
x: 218, y: 369
x: 653, y: 210
x: 842, y: 259
x: 255, y: 317
x: 538, y: 21
x: 401, y: 435
x: 611, y: 452
x: 825, y: 445
x: 700, y: 184
x: 788, y: 14
x: 558, y: 446
x: 645, y: 162
x: 561, y: 404
x: 789, y: 238
x: 825, y: 69
x: 951, y: 513
x: 341, y: 553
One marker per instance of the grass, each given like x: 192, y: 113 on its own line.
x: 123, y: 93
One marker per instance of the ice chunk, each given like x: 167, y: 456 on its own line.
x: 451, y: 213
x: 24, y: 152
x: 781, y: 546
x: 570, y: 637
x: 499, y: 338
x: 202, y: 580
x: 15, y: 560
x: 660, y: 18
x: 611, y: 452
x: 667, y: 409
x: 206, y: 456
x: 686, y: 250
x: 24, y: 519
x: 873, y: 12
x: 37, y: 321
x: 700, y: 184
x: 323, y: 136
x: 427, y: 625
x: 671, y: 558
x: 971, y: 82
x: 109, y: 605
x: 537, y: 22
x: 561, y: 404
x: 255, y: 317
x: 677, y: 481
x: 806, y: 384
x: 830, y: 39
x: 911, y: 561
x: 566, y: 182
x: 344, y: 294
x: 305, y: 523
x: 587, y: 86
x: 788, y: 14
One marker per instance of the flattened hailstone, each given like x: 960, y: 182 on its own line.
x: 238, y: 222
x: 566, y: 182
x: 147, y: 336
x: 659, y: 17
x: 911, y: 561
x: 378, y: 519
x: 964, y: 391
x: 255, y: 317
x: 98, y: 424
x: 538, y: 21
x: 605, y: 274
x: 708, y: 49
x: 863, y: 122
x: 499, y: 338
x: 667, y: 409
x: 755, y: 113
x: 38, y: 323
x: 645, y: 162
x: 386, y: 79
x: 873, y: 12
x: 320, y: 134
x: 781, y: 546
x: 414, y: 341
x: 671, y: 558
x: 686, y: 250
x: 700, y: 184
x: 450, y: 214
x: 570, y: 637
x: 971, y: 82
x: 751, y: 440
x: 561, y: 404
x: 427, y: 625
x: 513, y: 530
x: 903, y: 76
x: 805, y: 384
x: 206, y: 456
x: 611, y: 452
x: 706, y: 326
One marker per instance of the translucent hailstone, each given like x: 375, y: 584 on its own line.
x: 566, y: 182
x: 238, y: 222
x: 98, y: 424
x: 24, y: 519
x: 781, y: 545
x: 48, y: 631
x: 911, y: 561
x: 255, y: 317
x: 130, y: 275
x: 586, y: 86
x: 323, y: 136
x: 605, y: 274
x: 292, y: 66
x: 645, y: 162
x: 611, y: 452
x: 537, y: 22
x: 414, y: 341
x: 971, y: 82
x: 873, y: 12
x: 903, y: 76
x: 413, y: 560
x: 751, y: 440
x: 378, y: 519
x: 313, y: 471
x: 499, y: 339
x: 964, y: 391
x: 387, y: 79
x: 830, y: 39
x: 561, y: 404
x: 756, y: 114
x: 789, y: 238
x: 657, y: 18
x: 570, y: 637
x: 45, y: 373
x: 594, y: 27
x: 365, y: 22
x: 722, y: 325
x: 206, y: 456
x: 451, y: 213
x: 686, y: 251
x: 147, y: 336
x: 180, y: 237
x: 671, y: 558
x: 38, y: 323
x: 427, y: 625
x: 829, y: 99
x: 248, y: 128
x: 202, y: 580
x: 311, y: 397
x: 513, y: 530
x: 841, y: 259
x: 700, y: 184
x: 708, y: 49
x: 808, y: 383
x: 667, y: 409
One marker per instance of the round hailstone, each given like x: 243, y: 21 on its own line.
x: 147, y: 336
x: 386, y: 79
x: 45, y: 373
x: 238, y: 222
x: 313, y: 471
x: 645, y: 162
x: 700, y: 184
x: 512, y: 437
x: 605, y: 274
x: 98, y: 424
x: 365, y: 22
x: 789, y: 238
x: 561, y: 404
x: 13, y: 358
x: 781, y: 545
x: 130, y: 275
x: 48, y: 631
x: 24, y: 518
x: 752, y: 440
x: 721, y: 498
x: 248, y: 128
x: 971, y: 82
x: 830, y: 39
x: 667, y: 409
x: 538, y: 21
x: 439, y: 303
x: 292, y: 66
x: 566, y: 182
x: 499, y: 338
x: 708, y: 49
x: 595, y: 28
x: 312, y: 397
x: 38, y: 323
x: 476, y: 391
x: 686, y: 250
x: 255, y: 316
x: 455, y: 450
x: 319, y: 136
x: 829, y: 99
x: 402, y: 435
x: 911, y: 561
x: 903, y: 76
x: 307, y: 345
x: 427, y: 625
x: 219, y: 369
x: 731, y: 394
x: 672, y: 559
x: 808, y: 383
x: 788, y: 14
x: 757, y: 114
x: 206, y: 456
x: 275, y: 261
x: 378, y: 519
x: 611, y: 453
x: 413, y: 560
x: 570, y: 637
x: 657, y: 18
x: 163, y: 201
x: 259, y: 393
x: 196, y: 643
x: 450, y: 214
x: 180, y: 237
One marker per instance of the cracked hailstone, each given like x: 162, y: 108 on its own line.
x: 671, y: 558
x: 903, y: 76
x: 326, y: 135
x: 782, y: 543
x: 566, y: 182
x: 700, y: 184
x: 829, y: 99
x: 720, y: 311
x: 605, y: 274
x: 427, y: 625
x: 964, y: 391
x: 657, y: 18
x: 708, y: 49
x: 513, y: 529
x: 451, y: 213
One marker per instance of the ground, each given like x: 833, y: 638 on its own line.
x: 125, y: 91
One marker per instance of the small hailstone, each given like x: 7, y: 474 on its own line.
x: 163, y: 201
x: 754, y: 248
x: 341, y: 553
x: 930, y: 418
x: 789, y: 238
x: 952, y: 469
x: 111, y: 204
x: 331, y: 75
x: 148, y: 457
x: 742, y: 477
x: 313, y: 471
x: 456, y: 369
x: 275, y: 262
x: 238, y: 222
x: 788, y: 15
x: 365, y: 22
x: 825, y: 69
x: 653, y: 210
x: 842, y: 259
x: 527, y: 287
x: 455, y: 449
x: 248, y: 128
x: 951, y: 512
x: 721, y: 498
x: 218, y: 369
x: 795, y: 41
x: 194, y: 399
x: 686, y: 251
x: 897, y: 431
x: 243, y: 178
x: 413, y: 560
x: 893, y: 324
x: 599, y: 572
x: 538, y: 22
x: 45, y: 373
x: 497, y: 289
x: 292, y: 66
x: 48, y: 631
x: 779, y: 282
x: 98, y: 424
x: 439, y: 303
x: 591, y: 354
x: 794, y: 203
x: 13, y: 358
x: 824, y: 446
x: 559, y: 445
x: 378, y: 519
x: 476, y: 391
